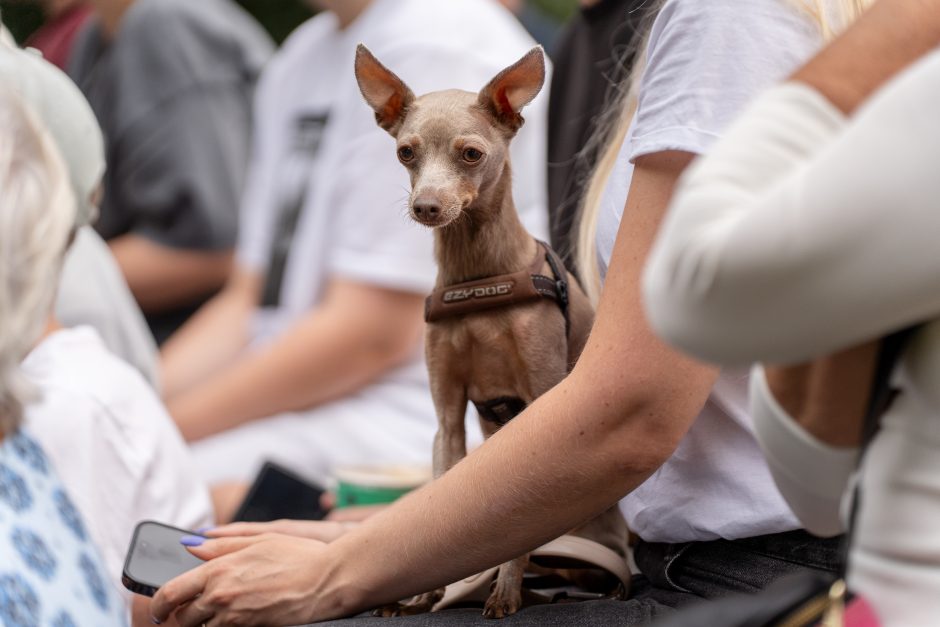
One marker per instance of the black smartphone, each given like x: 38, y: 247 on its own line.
x: 155, y: 557
x: 278, y: 493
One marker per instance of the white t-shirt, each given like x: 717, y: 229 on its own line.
x: 705, y: 63
x: 116, y: 449
x: 327, y: 197
x: 93, y: 292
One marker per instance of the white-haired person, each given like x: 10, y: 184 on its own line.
x: 805, y: 237
x: 93, y: 290
x: 51, y: 572
x: 102, y: 425
x: 635, y: 421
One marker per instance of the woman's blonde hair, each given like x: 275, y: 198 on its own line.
x: 832, y: 17
x: 37, y: 212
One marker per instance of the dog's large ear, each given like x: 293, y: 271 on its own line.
x: 388, y: 96
x: 514, y: 88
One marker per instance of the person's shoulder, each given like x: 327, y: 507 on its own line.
x: 459, y: 39
x: 732, y: 14
x: 473, y: 28
x: 171, y: 25
x: 299, y: 49
x: 75, y: 361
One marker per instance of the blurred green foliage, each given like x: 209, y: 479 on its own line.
x: 560, y: 10
x: 21, y: 18
x: 280, y: 17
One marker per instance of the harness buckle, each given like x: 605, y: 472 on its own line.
x: 562, y: 286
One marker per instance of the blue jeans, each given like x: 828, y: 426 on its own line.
x: 672, y: 576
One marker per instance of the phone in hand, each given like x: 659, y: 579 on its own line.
x: 278, y: 493
x: 155, y: 557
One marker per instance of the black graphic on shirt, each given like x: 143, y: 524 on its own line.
x: 294, y: 177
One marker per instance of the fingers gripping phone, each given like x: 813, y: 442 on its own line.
x: 278, y: 493
x: 155, y: 557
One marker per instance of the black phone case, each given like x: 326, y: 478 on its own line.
x: 240, y: 514
x: 129, y: 582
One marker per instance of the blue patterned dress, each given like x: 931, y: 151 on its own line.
x: 50, y: 573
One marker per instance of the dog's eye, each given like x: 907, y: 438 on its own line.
x: 406, y: 154
x: 472, y: 155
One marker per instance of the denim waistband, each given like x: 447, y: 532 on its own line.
x: 751, y: 561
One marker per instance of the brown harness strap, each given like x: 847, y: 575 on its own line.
x: 504, y: 290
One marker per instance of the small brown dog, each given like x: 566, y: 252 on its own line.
x: 506, y: 321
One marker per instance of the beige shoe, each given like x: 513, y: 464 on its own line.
x: 567, y: 569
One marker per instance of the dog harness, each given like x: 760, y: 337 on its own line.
x: 504, y: 290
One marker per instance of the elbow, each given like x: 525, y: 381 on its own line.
x: 381, y: 352
x: 684, y: 310
x: 677, y: 312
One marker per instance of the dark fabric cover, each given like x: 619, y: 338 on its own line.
x: 674, y: 577
x: 589, y: 55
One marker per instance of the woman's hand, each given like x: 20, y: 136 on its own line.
x: 267, y: 579
x: 322, y: 531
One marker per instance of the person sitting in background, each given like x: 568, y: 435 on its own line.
x: 103, y: 427
x: 171, y: 82
x: 807, y: 235
x: 55, y: 38
x: 92, y: 290
x: 312, y: 354
x: 51, y: 572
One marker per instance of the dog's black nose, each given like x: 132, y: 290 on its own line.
x: 426, y: 209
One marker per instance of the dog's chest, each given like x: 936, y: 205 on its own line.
x: 497, y: 353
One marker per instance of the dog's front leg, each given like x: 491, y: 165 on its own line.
x: 506, y: 597
x: 450, y: 446
x: 450, y: 442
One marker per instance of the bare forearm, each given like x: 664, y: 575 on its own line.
x: 322, y: 358
x: 509, y: 496
x: 162, y: 278
x: 889, y: 37
x: 211, y: 339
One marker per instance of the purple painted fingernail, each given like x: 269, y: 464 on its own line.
x: 203, y: 530
x: 192, y: 540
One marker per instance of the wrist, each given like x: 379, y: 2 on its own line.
x: 337, y: 590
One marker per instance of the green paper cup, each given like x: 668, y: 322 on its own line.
x: 375, y: 485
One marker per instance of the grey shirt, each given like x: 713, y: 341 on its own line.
x: 173, y: 93
x: 93, y: 292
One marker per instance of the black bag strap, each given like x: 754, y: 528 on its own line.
x: 880, y: 397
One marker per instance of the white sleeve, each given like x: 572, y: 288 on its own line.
x: 811, y: 476
x: 799, y: 235
x: 705, y: 64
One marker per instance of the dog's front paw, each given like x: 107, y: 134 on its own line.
x: 421, y: 604
x: 502, y: 604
